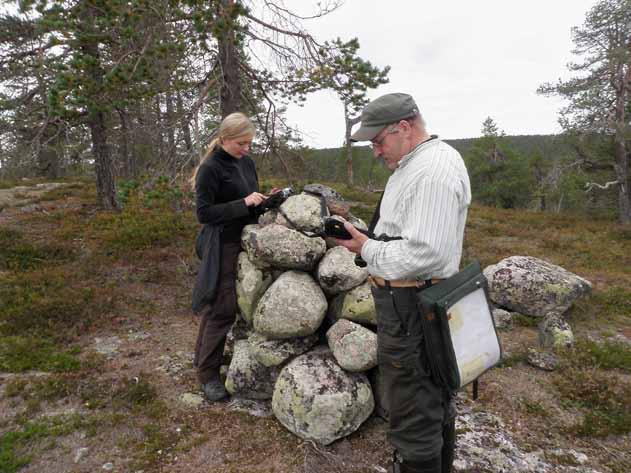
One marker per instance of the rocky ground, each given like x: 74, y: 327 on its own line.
x: 145, y: 342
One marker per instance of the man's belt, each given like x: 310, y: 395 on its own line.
x: 380, y: 282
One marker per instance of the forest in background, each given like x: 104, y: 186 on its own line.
x: 131, y: 91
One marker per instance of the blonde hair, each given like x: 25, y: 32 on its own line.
x: 233, y: 126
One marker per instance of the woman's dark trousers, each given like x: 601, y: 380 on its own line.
x: 218, y: 318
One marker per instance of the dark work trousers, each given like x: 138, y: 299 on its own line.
x: 418, y: 407
x: 216, y: 320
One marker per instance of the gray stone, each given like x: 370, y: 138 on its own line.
x: 275, y: 352
x: 317, y: 400
x: 252, y: 282
x: 354, y: 346
x: 191, y: 400
x: 541, y: 359
x: 555, y: 332
x: 357, y: 305
x: 293, y: 306
x: 503, y: 319
x: 327, y: 192
x: 304, y: 211
x: 108, y: 466
x: 80, y: 454
x: 107, y: 346
x: 282, y: 247
x: 247, y: 377
x: 337, y: 271
x: 532, y: 286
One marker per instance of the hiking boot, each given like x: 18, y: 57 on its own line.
x: 214, y: 390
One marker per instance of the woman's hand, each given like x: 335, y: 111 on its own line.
x: 255, y: 198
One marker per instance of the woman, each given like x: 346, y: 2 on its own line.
x: 226, y: 192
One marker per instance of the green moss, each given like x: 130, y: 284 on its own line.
x: 16, y: 254
x: 42, y: 305
x: 138, y: 229
x: 602, y: 399
x: 18, y: 354
x: 607, y: 355
x: 16, y: 447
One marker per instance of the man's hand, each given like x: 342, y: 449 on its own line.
x: 356, y: 243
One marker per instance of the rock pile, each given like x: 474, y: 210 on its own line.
x: 309, y: 342
x: 536, y: 288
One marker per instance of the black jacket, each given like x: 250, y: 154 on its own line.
x: 221, y: 185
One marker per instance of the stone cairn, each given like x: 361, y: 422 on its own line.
x: 306, y: 333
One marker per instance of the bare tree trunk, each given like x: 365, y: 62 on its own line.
x: 105, y: 188
x: 347, y: 143
x: 170, y: 124
x: 127, y: 159
x: 229, y: 59
x: 620, y: 148
x: 186, y: 129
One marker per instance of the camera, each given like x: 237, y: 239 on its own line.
x: 274, y: 201
x: 335, y: 228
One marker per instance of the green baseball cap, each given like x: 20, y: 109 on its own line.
x: 387, y: 109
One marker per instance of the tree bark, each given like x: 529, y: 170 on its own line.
x: 229, y: 59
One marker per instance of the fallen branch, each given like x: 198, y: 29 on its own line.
x: 591, y: 185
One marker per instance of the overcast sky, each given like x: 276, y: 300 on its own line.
x: 461, y: 60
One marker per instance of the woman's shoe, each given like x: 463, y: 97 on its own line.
x: 214, y: 390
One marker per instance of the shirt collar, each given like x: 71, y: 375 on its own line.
x: 422, y: 145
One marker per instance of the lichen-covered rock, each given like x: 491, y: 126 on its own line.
x: 327, y: 192
x: 275, y: 352
x: 354, y: 346
x: 555, y: 332
x: 305, y: 212
x: 317, y: 400
x: 338, y: 272
x: 247, y: 377
x: 282, y: 247
x: 357, y: 305
x: 240, y: 330
x: 542, y: 359
x: 251, y: 284
x: 293, y: 306
x: 532, y: 286
x: 503, y: 319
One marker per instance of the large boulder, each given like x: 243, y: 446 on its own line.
x: 357, y: 305
x: 304, y: 212
x: 282, y: 247
x: 354, y: 346
x: 293, y: 306
x: 534, y: 287
x: 337, y: 271
x: 247, y: 377
x: 317, y: 400
x: 275, y: 352
x: 251, y: 284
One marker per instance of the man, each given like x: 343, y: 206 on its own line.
x: 425, y: 203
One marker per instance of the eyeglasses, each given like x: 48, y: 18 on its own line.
x: 390, y: 130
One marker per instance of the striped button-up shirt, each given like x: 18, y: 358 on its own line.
x: 425, y: 202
